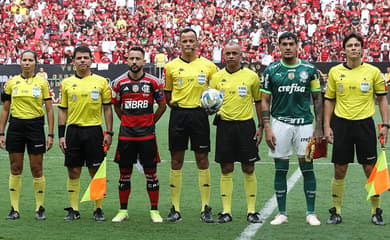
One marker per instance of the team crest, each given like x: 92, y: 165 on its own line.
x: 291, y: 75
x: 303, y: 76
x: 201, y: 79
x: 145, y: 88
x: 95, y: 95
x: 242, y: 91
x: 135, y: 88
x: 364, y: 87
x: 36, y: 92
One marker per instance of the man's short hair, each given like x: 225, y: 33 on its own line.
x: 82, y: 49
x: 287, y: 35
x: 353, y: 35
x: 186, y: 30
x: 139, y: 49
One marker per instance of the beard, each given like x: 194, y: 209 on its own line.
x: 135, y: 70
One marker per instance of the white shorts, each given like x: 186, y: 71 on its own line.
x: 290, y: 138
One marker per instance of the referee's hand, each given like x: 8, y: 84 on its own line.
x: 62, y: 144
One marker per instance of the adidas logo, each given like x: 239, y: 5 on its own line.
x: 126, y: 89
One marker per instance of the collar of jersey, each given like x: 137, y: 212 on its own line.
x: 81, y: 77
x: 143, y: 75
x: 33, y: 76
x: 185, y: 60
x: 347, y: 67
x: 290, y: 66
x: 234, y: 71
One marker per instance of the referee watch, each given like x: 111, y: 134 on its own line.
x: 386, y: 125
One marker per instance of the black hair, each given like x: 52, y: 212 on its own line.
x: 353, y: 35
x: 30, y: 51
x: 82, y: 49
x: 288, y: 35
x: 139, y: 49
x: 186, y: 30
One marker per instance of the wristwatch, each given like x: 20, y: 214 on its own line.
x: 386, y: 125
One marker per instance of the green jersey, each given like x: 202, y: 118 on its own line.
x: 290, y: 88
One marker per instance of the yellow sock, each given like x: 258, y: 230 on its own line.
x: 250, y: 185
x: 39, y: 188
x: 204, y: 186
x: 15, y: 185
x: 98, y: 203
x: 226, y: 185
x: 73, y: 193
x: 175, y: 183
x: 337, y: 193
x: 375, y: 203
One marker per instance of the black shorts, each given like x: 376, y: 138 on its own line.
x: 235, y: 143
x: 84, y: 146
x: 185, y: 124
x: 22, y: 132
x: 351, y: 134
x: 127, y: 152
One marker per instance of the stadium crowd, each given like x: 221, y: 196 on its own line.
x: 54, y: 27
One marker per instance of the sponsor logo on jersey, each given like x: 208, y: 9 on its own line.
x: 295, y: 121
x: 136, y: 104
x: 179, y: 82
x: 36, y: 92
x: 74, y: 97
x: 292, y: 88
x: 15, y: 91
x: 341, y: 88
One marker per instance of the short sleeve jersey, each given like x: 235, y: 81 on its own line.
x: 291, y: 87
x: 354, y: 90
x: 240, y: 89
x: 187, y: 80
x: 27, y: 96
x: 83, y: 98
x: 136, y: 98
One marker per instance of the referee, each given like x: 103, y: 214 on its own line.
x: 23, y: 96
x: 82, y: 98
x: 237, y: 136
x: 186, y: 77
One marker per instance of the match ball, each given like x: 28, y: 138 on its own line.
x: 211, y: 99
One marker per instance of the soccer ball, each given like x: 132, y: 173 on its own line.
x: 211, y: 99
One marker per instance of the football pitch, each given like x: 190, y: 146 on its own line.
x: 355, y: 212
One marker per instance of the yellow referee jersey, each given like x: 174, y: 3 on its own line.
x: 354, y: 90
x: 83, y: 98
x: 240, y: 89
x: 27, y: 96
x: 187, y: 80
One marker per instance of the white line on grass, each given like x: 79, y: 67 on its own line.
x: 268, y: 208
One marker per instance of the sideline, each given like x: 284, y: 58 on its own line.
x: 251, y: 230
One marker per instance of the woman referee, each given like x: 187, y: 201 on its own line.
x: 23, y: 96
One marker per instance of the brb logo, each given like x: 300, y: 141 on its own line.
x: 136, y: 104
x: 292, y: 88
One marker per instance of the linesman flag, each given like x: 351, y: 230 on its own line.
x: 379, y: 180
x: 98, y: 186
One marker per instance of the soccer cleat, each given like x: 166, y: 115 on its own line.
x: 155, y: 216
x: 13, y: 215
x: 313, y: 220
x: 98, y: 215
x: 121, y: 216
x: 40, y: 214
x: 174, y: 216
x: 279, y: 219
x: 72, y: 214
x: 206, y: 215
x: 254, y: 218
x: 334, y: 217
x: 377, y: 217
x: 224, y: 217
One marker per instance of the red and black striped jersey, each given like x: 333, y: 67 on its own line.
x: 136, y: 98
